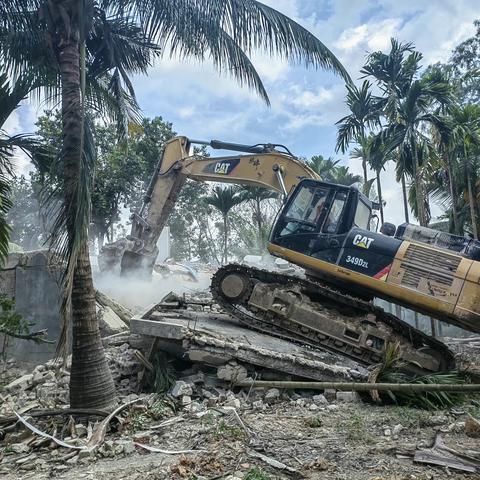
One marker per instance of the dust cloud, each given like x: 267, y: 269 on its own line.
x: 140, y: 293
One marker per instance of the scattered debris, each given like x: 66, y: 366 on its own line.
x: 472, y: 427
x: 444, y: 456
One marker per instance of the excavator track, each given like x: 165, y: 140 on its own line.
x: 312, y: 313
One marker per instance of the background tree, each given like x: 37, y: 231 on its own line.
x: 224, y: 199
x: 324, y: 167
x: 254, y: 198
x: 29, y: 227
x: 364, y: 115
x: 376, y: 156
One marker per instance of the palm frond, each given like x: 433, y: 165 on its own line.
x: 216, y: 28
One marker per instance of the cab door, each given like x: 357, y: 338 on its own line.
x: 299, y: 223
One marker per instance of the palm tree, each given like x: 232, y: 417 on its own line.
x: 83, y: 52
x: 324, y: 167
x: 343, y: 176
x: 364, y: 114
x: 376, y: 156
x: 394, y: 73
x: 466, y: 137
x: 224, y: 199
x: 256, y: 196
x: 405, y: 131
x: 10, y: 97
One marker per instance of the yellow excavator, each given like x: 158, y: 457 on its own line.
x: 331, y: 231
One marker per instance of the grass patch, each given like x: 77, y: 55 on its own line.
x: 208, y: 419
x: 354, y: 428
x: 413, y: 417
x: 256, y: 473
x: 223, y: 430
x: 161, y: 408
x: 313, y: 422
x: 474, y: 411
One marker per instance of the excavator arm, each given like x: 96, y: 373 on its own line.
x: 258, y: 165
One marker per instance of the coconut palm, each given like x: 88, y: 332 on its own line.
x: 83, y: 52
x: 10, y: 97
x: 224, y: 199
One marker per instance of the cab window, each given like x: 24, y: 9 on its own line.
x: 308, y: 205
x: 335, y: 214
x: 362, y: 216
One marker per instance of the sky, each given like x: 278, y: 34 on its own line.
x: 305, y: 104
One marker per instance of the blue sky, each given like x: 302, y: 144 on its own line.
x: 305, y: 103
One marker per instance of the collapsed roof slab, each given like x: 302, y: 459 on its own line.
x: 215, y: 338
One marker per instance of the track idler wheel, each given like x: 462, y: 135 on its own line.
x: 236, y: 287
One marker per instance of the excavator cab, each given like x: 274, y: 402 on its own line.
x: 317, y: 218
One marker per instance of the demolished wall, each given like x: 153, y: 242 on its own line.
x: 31, y: 279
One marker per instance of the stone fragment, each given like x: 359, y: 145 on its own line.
x: 348, y: 397
x: 320, y: 399
x: 22, y: 383
x: 472, y: 427
x: 181, y: 388
x: 232, y: 372
x: 330, y: 394
x: 396, y: 430
x: 272, y: 395
x: 19, y: 448
x: 233, y: 402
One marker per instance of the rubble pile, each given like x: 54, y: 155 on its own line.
x: 200, y: 425
x: 203, y: 428
x: 46, y: 386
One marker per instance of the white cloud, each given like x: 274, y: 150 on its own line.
x: 310, y: 100
x: 352, y: 37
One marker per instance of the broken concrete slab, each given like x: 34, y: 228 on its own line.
x: 215, y: 339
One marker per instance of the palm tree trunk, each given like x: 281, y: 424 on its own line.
x: 453, y: 194
x: 258, y: 214
x: 365, y: 173
x: 380, y: 199
x: 471, y: 201
x: 419, y: 191
x: 91, y: 383
x: 225, y: 239
x: 405, y: 199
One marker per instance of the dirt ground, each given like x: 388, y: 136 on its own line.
x: 337, y: 441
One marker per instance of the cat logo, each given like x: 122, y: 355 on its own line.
x: 361, y: 241
x: 221, y: 168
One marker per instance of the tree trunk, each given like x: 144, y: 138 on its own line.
x: 365, y: 174
x: 422, y: 219
x: 405, y: 199
x: 380, y: 199
x: 261, y: 240
x: 225, y: 239
x: 471, y: 201
x: 91, y: 383
x: 456, y: 227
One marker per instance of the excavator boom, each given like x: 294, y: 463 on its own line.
x: 262, y: 166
